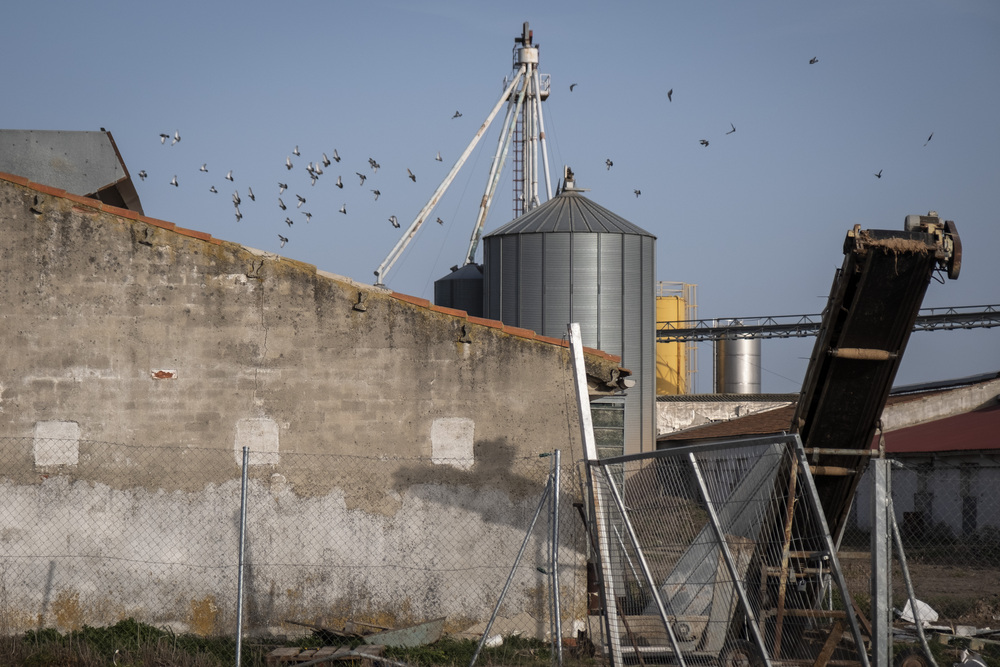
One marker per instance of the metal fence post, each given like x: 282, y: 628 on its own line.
x: 557, y: 620
x: 239, y: 579
x: 881, y: 582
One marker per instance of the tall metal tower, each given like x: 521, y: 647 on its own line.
x: 523, y: 130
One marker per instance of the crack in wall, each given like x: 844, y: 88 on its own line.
x: 254, y: 274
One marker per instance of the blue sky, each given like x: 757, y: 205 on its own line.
x: 756, y: 219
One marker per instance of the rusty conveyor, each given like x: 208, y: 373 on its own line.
x: 870, y: 313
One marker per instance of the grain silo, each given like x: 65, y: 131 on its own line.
x: 461, y: 289
x: 572, y: 260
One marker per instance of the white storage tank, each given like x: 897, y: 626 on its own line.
x: 737, y: 365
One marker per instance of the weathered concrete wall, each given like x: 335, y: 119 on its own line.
x: 940, y: 405
x: 672, y: 416
x: 124, y: 329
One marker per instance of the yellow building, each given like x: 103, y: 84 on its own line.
x: 676, y: 363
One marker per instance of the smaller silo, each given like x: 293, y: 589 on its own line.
x: 737, y: 365
x: 461, y: 289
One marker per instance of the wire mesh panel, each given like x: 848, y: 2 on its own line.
x: 718, y: 553
x: 948, y: 512
x: 92, y: 533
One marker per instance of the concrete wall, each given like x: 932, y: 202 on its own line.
x: 124, y: 329
x: 677, y: 415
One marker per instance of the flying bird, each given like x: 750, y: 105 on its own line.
x: 361, y: 176
x: 374, y: 165
x: 213, y: 190
x: 637, y: 192
x: 236, y: 199
x: 302, y: 200
x: 229, y: 176
x: 239, y: 216
x: 282, y: 187
x: 879, y: 174
x: 670, y: 95
x: 458, y: 114
x: 703, y: 142
x: 438, y: 158
x: 336, y: 155
x: 732, y: 130
x: 281, y: 205
x: 283, y: 239
x: 813, y: 60
x: 289, y: 222
x: 377, y: 193
x: 440, y: 221
x: 173, y: 181
x: 250, y: 194
x: 571, y: 87
x: 410, y: 174
x: 203, y: 167
x: 929, y: 139
x: 296, y: 152
x: 163, y: 138
x: 142, y: 174
x: 609, y: 163
x: 288, y: 162
x: 339, y: 183
x: 395, y: 223
x: 309, y: 216
x: 326, y: 160
x: 177, y: 137
x: 343, y: 209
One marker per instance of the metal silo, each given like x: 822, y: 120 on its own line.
x: 461, y: 289
x: 571, y: 260
x: 737, y: 365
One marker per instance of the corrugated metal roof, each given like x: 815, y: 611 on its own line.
x: 79, y: 162
x: 570, y: 211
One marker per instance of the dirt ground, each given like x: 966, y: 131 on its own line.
x: 960, y: 595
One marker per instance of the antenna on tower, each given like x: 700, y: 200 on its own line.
x: 523, y: 128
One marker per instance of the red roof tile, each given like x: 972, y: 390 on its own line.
x: 416, y: 301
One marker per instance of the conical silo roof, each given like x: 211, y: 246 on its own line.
x: 570, y: 211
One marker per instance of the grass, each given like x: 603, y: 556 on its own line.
x: 129, y: 643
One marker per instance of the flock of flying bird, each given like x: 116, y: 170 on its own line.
x: 608, y: 163
x: 316, y: 169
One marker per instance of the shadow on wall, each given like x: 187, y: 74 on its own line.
x: 496, y: 469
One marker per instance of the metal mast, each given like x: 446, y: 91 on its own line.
x: 523, y: 92
x: 524, y: 126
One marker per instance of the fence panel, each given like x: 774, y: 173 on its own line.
x: 102, y: 532
x: 718, y: 554
x: 948, y: 512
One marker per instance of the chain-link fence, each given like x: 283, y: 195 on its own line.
x: 719, y: 554
x: 96, y: 534
x: 947, y: 507
x: 101, y: 532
